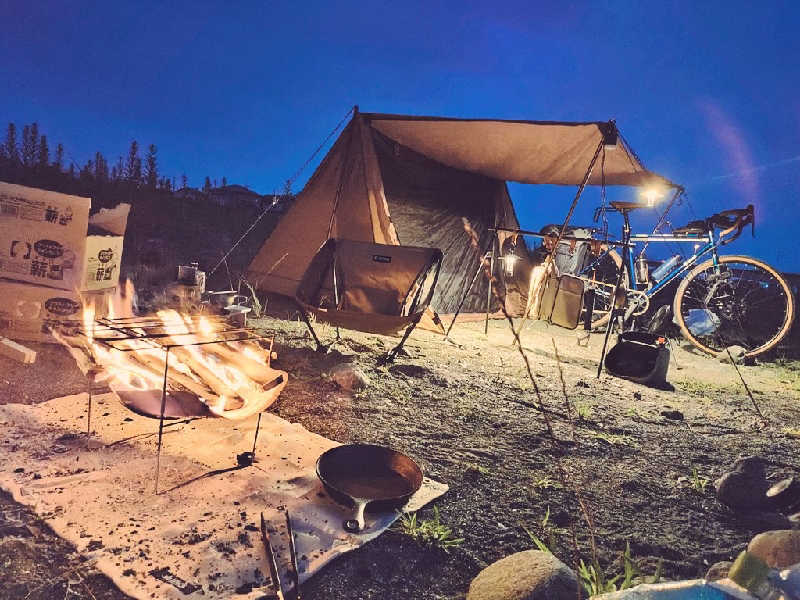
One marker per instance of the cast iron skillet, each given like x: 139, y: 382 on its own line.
x: 364, y: 474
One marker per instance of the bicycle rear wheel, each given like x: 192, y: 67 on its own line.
x: 740, y: 301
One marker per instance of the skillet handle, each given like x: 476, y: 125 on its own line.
x: 356, y: 525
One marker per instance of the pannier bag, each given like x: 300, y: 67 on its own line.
x: 562, y: 300
x: 639, y: 356
x: 571, y: 256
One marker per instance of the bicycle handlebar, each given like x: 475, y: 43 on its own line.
x: 734, y: 219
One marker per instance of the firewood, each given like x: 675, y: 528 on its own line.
x: 16, y: 351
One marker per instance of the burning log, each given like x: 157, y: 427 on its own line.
x: 233, y: 378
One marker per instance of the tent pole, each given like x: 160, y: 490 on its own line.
x: 489, y: 290
x: 466, y: 293
x: 551, y: 257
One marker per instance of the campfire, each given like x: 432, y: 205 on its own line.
x: 179, y: 362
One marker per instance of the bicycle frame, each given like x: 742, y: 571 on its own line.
x: 709, y: 245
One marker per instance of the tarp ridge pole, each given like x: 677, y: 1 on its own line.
x: 161, y: 417
x: 493, y: 238
x: 550, y: 257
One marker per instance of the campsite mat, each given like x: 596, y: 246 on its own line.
x: 199, y: 537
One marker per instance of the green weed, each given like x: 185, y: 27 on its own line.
x: 595, y: 581
x: 548, y: 531
x: 584, y: 411
x: 429, y: 532
x: 546, y: 483
x: 699, y: 482
x: 475, y: 468
x: 612, y: 439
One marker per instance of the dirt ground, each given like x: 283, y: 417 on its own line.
x: 637, y: 457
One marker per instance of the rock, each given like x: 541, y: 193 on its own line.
x: 737, y: 353
x: 348, y: 377
x: 675, y: 415
x: 528, y: 575
x: 779, y: 549
x: 745, y: 487
x: 718, y: 570
x: 759, y: 520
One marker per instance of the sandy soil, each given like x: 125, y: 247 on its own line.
x: 468, y: 413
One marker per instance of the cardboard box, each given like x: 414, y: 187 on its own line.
x: 27, y: 310
x: 47, y: 238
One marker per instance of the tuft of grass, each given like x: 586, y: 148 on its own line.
x: 595, y: 581
x: 476, y: 468
x: 546, y: 483
x: 548, y: 531
x: 793, y: 433
x: 699, y: 482
x: 429, y: 532
x: 255, y: 302
x: 584, y: 411
x: 612, y: 439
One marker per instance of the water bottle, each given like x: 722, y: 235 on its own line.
x: 764, y: 583
x: 642, y: 269
x: 665, y: 267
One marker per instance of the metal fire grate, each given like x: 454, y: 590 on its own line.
x: 132, y: 334
x: 152, y: 332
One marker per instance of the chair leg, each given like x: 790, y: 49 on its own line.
x: 392, y: 354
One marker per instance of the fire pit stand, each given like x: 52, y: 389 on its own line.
x: 146, y: 333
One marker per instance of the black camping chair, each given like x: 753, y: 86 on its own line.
x: 374, y: 288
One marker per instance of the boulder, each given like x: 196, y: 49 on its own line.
x: 528, y: 575
x: 745, y: 487
x: 779, y: 549
x: 737, y: 353
x: 348, y: 377
x: 718, y: 570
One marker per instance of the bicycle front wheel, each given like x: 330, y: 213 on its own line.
x: 740, y: 301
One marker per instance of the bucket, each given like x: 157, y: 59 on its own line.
x: 639, y: 356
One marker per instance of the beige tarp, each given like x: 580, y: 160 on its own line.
x: 346, y: 197
x: 523, y: 151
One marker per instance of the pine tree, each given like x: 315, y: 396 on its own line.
x: 28, y: 152
x: 184, y: 181
x: 59, y: 161
x: 120, y: 170
x: 207, y: 184
x: 71, y: 170
x: 151, y: 167
x: 44, y: 153
x: 12, y: 151
x: 34, y: 142
x: 100, y: 167
x: 224, y: 181
x: 133, y: 166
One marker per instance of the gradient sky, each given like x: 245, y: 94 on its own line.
x: 707, y: 93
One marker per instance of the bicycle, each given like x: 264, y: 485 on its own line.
x: 720, y: 302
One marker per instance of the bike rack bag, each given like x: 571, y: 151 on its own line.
x: 562, y: 300
x: 639, y: 356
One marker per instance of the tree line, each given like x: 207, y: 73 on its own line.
x: 28, y: 160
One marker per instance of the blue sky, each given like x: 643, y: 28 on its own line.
x: 707, y: 93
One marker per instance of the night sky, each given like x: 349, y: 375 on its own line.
x: 707, y: 93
